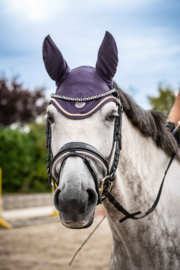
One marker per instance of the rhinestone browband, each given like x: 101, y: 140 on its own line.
x: 85, y: 98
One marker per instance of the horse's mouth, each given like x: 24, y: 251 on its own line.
x: 78, y: 223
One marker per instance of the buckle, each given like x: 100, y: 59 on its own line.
x: 120, y: 107
x: 109, y: 188
x: 101, y: 187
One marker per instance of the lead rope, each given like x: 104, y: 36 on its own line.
x: 86, y: 240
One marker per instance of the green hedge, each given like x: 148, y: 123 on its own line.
x: 23, y: 160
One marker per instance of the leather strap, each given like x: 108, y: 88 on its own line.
x: 89, y: 166
x: 48, y: 145
x: 117, y: 140
x: 80, y: 146
x: 121, y: 209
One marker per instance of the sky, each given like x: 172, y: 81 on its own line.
x: 147, y: 33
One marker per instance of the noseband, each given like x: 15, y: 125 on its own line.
x: 87, y: 153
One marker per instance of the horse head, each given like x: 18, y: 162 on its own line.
x: 82, y: 123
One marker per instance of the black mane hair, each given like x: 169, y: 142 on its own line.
x: 151, y: 123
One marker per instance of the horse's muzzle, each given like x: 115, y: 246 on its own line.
x: 75, y: 206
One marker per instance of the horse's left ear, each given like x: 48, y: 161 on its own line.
x: 107, y: 61
x: 54, y: 62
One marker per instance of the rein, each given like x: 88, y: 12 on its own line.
x: 86, y: 151
x: 121, y: 209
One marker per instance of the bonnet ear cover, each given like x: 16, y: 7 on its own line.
x: 54, y: 62
x: 107, y: 61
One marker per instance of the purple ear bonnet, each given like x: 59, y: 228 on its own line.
x: 54, y: 62
x: 84, y: 90
x: 107, y: 61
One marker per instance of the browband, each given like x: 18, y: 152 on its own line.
x: 85, y: 98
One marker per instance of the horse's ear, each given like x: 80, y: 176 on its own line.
x: 107, y: 61
x: 54, y: 62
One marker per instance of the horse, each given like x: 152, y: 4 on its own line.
x: 149, y: 243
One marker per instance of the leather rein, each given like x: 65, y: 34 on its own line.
x: 87, y: 152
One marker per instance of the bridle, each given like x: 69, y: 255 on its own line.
x: 87, y: 153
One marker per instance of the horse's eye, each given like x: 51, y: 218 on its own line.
x: 50, y: 119
x: 111, y: 117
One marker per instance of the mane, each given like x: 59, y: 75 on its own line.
x: 150, y: 123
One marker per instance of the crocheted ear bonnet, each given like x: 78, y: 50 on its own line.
x: 84, y: 90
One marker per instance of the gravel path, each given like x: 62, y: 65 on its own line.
x: 51, y: 247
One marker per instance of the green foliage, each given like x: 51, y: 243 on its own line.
x: 164, y: 101
x: 23, y: 159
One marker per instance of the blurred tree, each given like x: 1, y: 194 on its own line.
x: 23, y: 160
x: 164, y: 101
x: 18, y: 104
x: 39, y: 177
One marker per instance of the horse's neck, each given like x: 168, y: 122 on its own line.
x: 140, y: 170
x: 139, y: 175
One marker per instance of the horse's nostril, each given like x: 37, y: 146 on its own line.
x: 57, y: 201
x: 92, y: 200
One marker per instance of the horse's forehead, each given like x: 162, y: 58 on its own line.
x: 93, y: 130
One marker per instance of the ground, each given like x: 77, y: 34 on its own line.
x: 51, y: 247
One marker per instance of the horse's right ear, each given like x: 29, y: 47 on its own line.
x: 54, y: 62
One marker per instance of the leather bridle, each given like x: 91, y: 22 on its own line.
x: 87, y: 153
